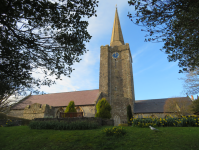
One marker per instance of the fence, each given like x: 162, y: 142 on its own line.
x: 71, y: 114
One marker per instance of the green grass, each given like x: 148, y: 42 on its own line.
x: 171, y: 138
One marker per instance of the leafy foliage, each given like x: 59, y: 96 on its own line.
x: 77, y: 125
x: 116, y: 132
x: 185, y: 121
x: 41, y: 36
x: 173, y: 22
x: 70, y: 107
x: 191, y: 82
x: 195, y: 105
x: 180, y: 107
x: 129, y: 113
x: 103, y: 109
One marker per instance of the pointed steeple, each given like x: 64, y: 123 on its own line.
x: 117, y: 37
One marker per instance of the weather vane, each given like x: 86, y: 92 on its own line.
x: 116, y: 5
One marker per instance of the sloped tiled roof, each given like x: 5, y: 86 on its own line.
x: 61, y: 99
x: 154, y: 105
x: 89, y: 97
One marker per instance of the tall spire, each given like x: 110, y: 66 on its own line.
x: 117, y: 37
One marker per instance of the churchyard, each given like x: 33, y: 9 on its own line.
x: 43, y: 136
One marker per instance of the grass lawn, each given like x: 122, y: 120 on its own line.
x: 170, y: 138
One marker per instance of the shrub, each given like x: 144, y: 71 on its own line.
x: 7, y: 117
x: 70, y: 107
x: 48, y: 117
x: 103, y: 109
x: 129, y: 114
x: 114, y: 131
x: 78, y: 125
x: 170, y: 121
x: 9, y: 123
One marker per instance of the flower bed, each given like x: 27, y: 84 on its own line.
x: 185, y: 121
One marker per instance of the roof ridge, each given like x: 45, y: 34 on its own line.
x: 160, y: 98
x: 69, y: 92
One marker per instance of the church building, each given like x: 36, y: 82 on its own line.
x: 115, y: 84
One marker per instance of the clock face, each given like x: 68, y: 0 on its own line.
x: 115, y: 55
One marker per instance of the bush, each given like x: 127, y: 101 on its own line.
x: 78, y: 125
x: 166, y: 122
x: 70, y: 107
x: 48, y: 117
x: 103, y: 109
x: 129, y: 114
x: 24, y: 121
x: 114, y: 131
x: 9, y: 123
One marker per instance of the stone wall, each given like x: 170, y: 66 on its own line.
x: 16, y: 113
x: 38, y: 111
x: 116, y: 80
x: 107, y: 122
x: 104, y: 70
x: 99, y: 121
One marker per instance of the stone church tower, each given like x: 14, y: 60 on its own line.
x: 116, y: 75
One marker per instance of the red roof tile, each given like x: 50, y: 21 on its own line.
x: 61, y: 99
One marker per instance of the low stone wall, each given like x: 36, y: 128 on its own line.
x: 107, y: 122
x: 99, y: 121
x: 4, y: 121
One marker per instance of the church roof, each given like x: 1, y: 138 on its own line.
x: 117, y: 37
x: 87, y: 97
x: 154, y: 105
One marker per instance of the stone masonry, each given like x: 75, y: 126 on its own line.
x: 38, y: 111
x: 116, y: 76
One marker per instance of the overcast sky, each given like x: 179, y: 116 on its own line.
x: 154, y: 77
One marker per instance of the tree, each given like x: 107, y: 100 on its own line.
x: 7, y: 102
x: 174, y: 22
x: 178, y: 106
x: 70, y: 107
x: 103, y: 109
x: 43, y: 35
x: 129, y: 113
x: 191, y: 85
x: 4, y: 104
x: 195, y: 105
